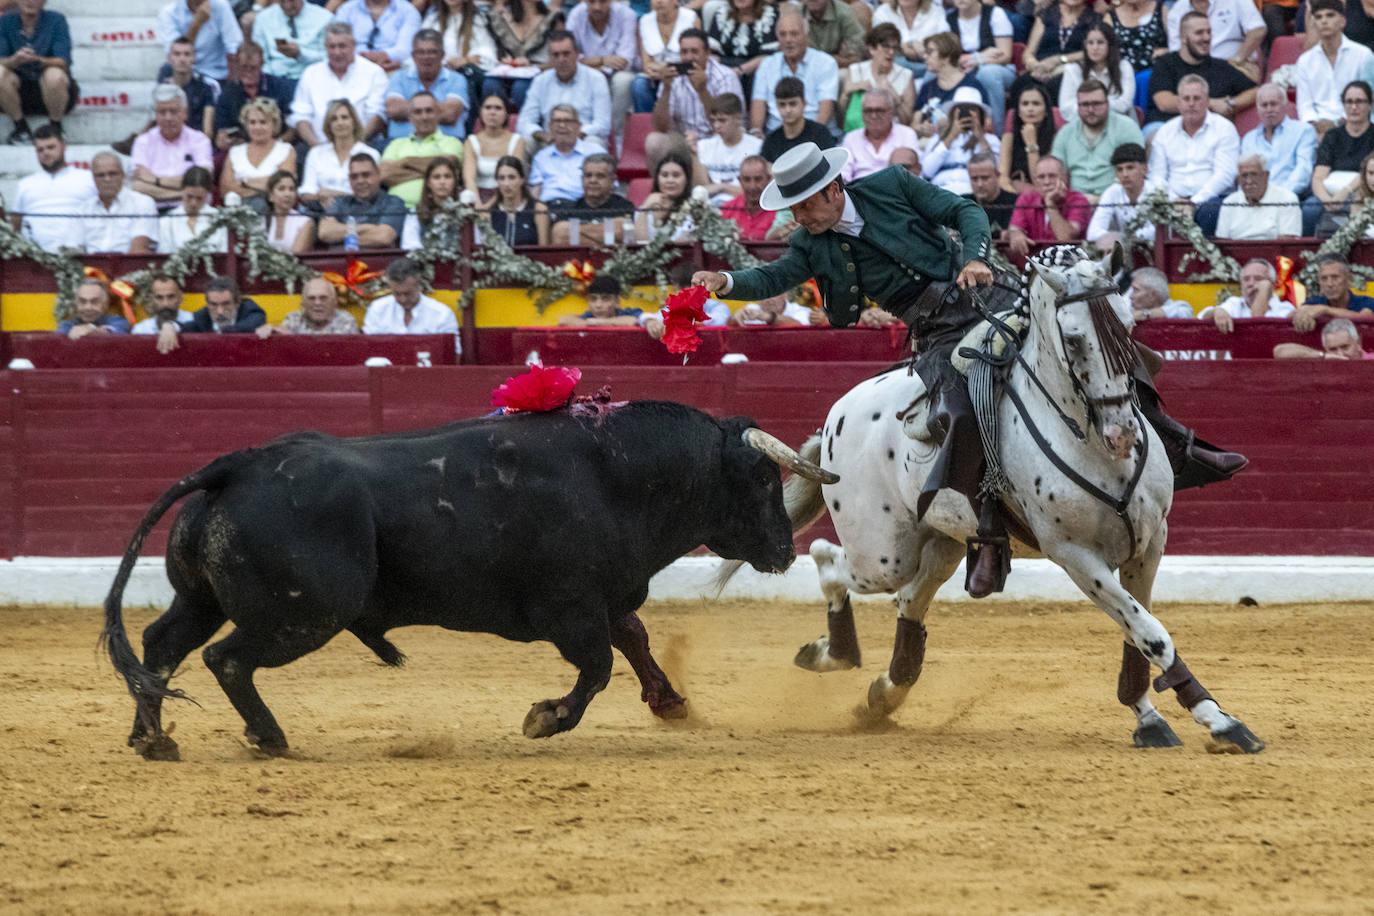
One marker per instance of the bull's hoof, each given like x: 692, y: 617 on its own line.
x: 815, y: 656
x: 156, y: 747
x: 670, y: 709
x: 1236, y: 739
x: 545, y: 719
x: 1155, y: 732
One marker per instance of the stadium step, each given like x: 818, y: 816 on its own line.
x: 115, y: 48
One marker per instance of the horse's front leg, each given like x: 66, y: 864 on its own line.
x: 1148, y: 635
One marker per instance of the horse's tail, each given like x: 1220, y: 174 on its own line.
x: 144, y: 684
x: 803, y: 501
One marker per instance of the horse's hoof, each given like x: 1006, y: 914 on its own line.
x: 1237, y: 739
x: 544, y: 719
x: 674, y: 709
x: 156, y: 747
x: 815, y: 656
x: 1156, y: 733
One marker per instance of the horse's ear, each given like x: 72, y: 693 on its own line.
x: 1052, y: 278
x: 1114, y: 260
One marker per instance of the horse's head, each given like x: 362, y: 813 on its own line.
x: 1076, y: 297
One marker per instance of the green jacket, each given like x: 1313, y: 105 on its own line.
x: 903, y: 215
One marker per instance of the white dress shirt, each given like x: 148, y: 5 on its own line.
x: 150, y: 325
x: 1237, y: 307
x: 1115, y: 210
x: 363, y: 84
x: 429, y: 316
x: 1277, y: 214
x: 50, y: 202
x: 130, y: 215
x: 1198, y: 167
x: 1320, y: 83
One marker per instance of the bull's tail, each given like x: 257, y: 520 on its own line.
x: 804, y: 503
x: 142, y: 683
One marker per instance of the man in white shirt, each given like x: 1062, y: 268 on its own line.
x: 1194, y: 154
x: 1118, y: 204
x: 406, y: 310
x: 1326, y: 68
x: 1237, y: 30
x: 722, y: 153
x: 1256, y: 299
x: 1149, y: 296
x: 1259, y: 209
x: 566, y: 82
x: 119, y: 220
x: 341, y: 75
x: 166, y: 307
x: 58, y: 189
x: 1289, y: 147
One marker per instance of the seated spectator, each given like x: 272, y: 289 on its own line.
x: 406, y: 310
x: 1364, y: 191
x: 1050, y: 212
x: 1340, y: 340
x: 35, y: 67
x: 46, y: 200
x: 1289, y: 147
x: 252, y: 86
x: 1326, y: 68
x: 672, y: 188
x: 1032, y: 135
x: 192, y: 216
x: 1139, y: 29
x: 406, y: 158
x: 880, y: 71
x: 1336, y: 299
x: 1194, y: 154
x: 211, y: 24
x: 1087, y: 142
x: 834, y: 29
x: 984, y: 34
x: 754, y: 221
x: 680, y: 115
x: 118, y: 219
x: 659, y: 32
x: 1149, y: 296
x: 1237, y: 28
x: 603, y: 307
x: 290, y: 35
x: 469, y: 46
x: 607, y: 35
x: 963, y: 135
x: 1118, y: 204
x: 319, y: 313
x: 906, y: 158
x: 249, y: 165
x: 773, y: 312
x: 162, y: 154
x: 326, y: 165
x: 1101, y: 63
x: 722, y: 153
x: 515, y: 214
x: 944, y: 78
x: 1054, y: 43
x: 1335, y: 177
x: 817, y: 71
x: 870, y: 147
x: 93, y: 318
x: 742, y: 33
x: 566, y: 84
x: 288, y: 229
x: 202, y: 92
x: 1229, y: 89
x: 1258, y: 210
x: 487, y: 144
x: 165, y: 307
x: 439, y: 187
x: 915, y: 21
x: 1256, y: 299
x: 225, y: 311
x: 522, y: 29
x: 380, y: 216
x: 598, y: 207
x: 556, y: 171
x: 341, y: 75
x: 987, y: 192
x: 384, y: 29
x: 794, y: 128
x: 427, y: 74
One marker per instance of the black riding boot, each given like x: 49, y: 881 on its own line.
x: 1196, y: 462
x: 989, y: 554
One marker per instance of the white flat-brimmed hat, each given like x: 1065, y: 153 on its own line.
x: 800, y: 172
x: 966, y: 95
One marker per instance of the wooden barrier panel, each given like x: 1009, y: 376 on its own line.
x: 54, y: 351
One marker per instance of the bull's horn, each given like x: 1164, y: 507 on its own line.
x: 780, y: 452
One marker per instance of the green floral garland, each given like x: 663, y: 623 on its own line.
x: 1157, y: 208
x: 1340, y: 244
x: 63, y: 266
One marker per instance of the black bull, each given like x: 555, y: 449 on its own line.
x: 535, y: 526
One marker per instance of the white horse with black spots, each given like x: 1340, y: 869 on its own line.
x: 1086, y: 484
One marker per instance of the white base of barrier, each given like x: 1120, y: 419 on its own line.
x: 85, y: 581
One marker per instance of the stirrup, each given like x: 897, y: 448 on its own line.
x: 975, y: 545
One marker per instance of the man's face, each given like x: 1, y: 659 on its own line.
x: 1328, y: 23
x: 317, y: 301
x: 753, y: 178
x: 983, y: 177
x: 1272, y: 107
x: 692, y: 52
x: 1192, y: 102
x: 1253, y: 180
x: 1197, y: 38
x: 170, y: 117
x: 364, y: 179
x: 598, y: 11
x: 30, y: 7
x: 1342, y: 346
x: 791, y: 110
x: 1046, y: 177
x: 1251, y: 276
x: 565, y: 128
x: 182, y: 57
x: 1092, y: 108
x: 91, y: 302
x: 597, y: 182
x: 429, y: 59
x: 1142, y: 296
x: 407, y: 292
x: 250, y: 69
x: 339, y: 50
x: 424, y: 115
x: 729, y: 126
x: 1333, y: 281
x: 292, y: 8
x: 51, y: 152
x: 602, y: 305
x: 820, y: 211
x: 166, y: 296
x: 1131, y: 175
x: 877, y: 114
x: 791, y: 37
x: 109, y: 177
x: 222, y: 306
x: 563, y: 57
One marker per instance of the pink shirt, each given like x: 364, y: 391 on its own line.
x: 1030, y: 216
x: 171, y: 160
x: 752, y: 227
x: 865, y: 158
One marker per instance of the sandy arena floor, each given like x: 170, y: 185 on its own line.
x: 1006, y: 784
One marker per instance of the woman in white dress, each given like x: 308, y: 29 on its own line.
x: 916, y: 20
x: 326, y: 165
x: 487, y: 145
x: 659, y: 31
x: 879, y: 72
x: 1103, y: 62
x: 288, y: 229
x: 250, y: 164
x: 467, y: 34
x: 192, y: 216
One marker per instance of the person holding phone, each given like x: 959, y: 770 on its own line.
x: 291, y: 35
x: 680, y: 114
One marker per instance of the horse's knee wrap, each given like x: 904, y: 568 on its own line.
x: 1134, y: 680
x: 908, y: 652
x: 844, y: 639
x: 1186, y: 688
